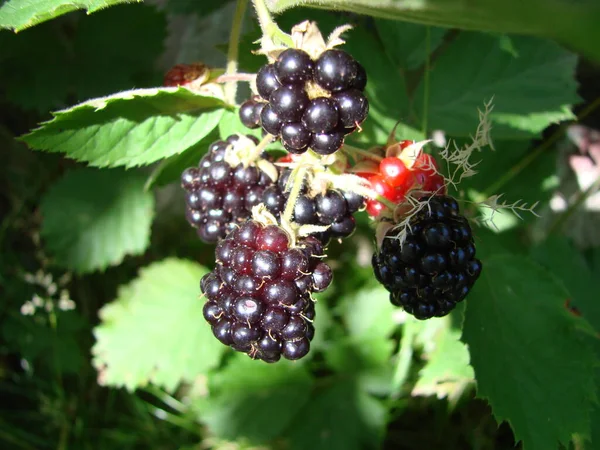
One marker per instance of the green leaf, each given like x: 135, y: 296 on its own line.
x: 20, y: 14
x: 447, y: 371
x: 339, y: 417
x: 531, y: 361
x: 169, y: 170
x: 577, y: 24
x: 230, y: 124
x: 202, y: 8
x: 369, y: 313
x: 407, y: 42
x: 93, y: 218
x: 154, y: 332
x: 529, y: 91
x: 129, y: 128
x: 253, y: 400
x: 559, y: 256
x: 533, y: 184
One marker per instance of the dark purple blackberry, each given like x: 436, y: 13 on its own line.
x: 335, y: 70
x: 266, y: 81
x: 218, y: 196
x: 295, y: 137
x: 297, y: 111
x: 435, y: 267
x: 250, y: 113
x: 353, y: 107
x: 332, y: 208
x: 294, y: 66
x: 254, y: 303
x: 321, y: 115
x: 289, y: 102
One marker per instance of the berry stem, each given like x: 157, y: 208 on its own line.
x: 353, y: 151
x: 249, y: 77
x: 294, y: 193
x: 233, y: 50
x: 269, y: 28
x: 405, y: 355
x: 260, y: 147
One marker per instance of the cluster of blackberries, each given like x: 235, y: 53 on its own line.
x: 334, y: 208
x: 259, y: 295
x: 309, y: 104
x: 435, y: 267
x: 218, y: 196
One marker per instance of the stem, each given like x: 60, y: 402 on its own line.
x: 260, y: 147
x: 426, y: 80
x: 249, y: 77
x: 405, y: 355
x: 522, y: 164
x: 268, y: 26
x: 232, y: 51
x: 359, y: 151
x: 294, y: 193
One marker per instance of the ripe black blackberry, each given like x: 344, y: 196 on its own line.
x: 435, y: 266
x: 309, y: 104
x: 334, y: 208
x: 218, y: 196
x: 259, y: 295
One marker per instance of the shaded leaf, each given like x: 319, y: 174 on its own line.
x: 20, y: 14
x: 531, y: 361
x: 577, y: 25
x: 339, y: 417
x: 154, y: 332
x: 130, y: 128
x: 92, y: 219
x: 255, y: 400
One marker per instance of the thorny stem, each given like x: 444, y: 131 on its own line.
x: 268, y: 26
x: 232, y: 51
x: 294, y: 193
x: 405, y: 355
x: 359, y: 151
x: 529, y: 158
x: 426, y: 80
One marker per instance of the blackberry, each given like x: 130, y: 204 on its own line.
x: 294, y: 107
x: 218, y: 196
x: 332, y: 208
x: 254, y: 301
x: 250, y: 112
x: 435, y: 267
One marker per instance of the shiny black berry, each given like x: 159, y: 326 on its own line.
x: 266, y: 81
x: 335, y: 70
x: 293, y: 66
x: 434, y: 267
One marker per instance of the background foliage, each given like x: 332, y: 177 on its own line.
x: 102, y: 340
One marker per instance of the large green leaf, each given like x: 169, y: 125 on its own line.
x: 577, y: 25
x: 531, y: 360
x: 530, y: 89
x: 129, y: 128
x: 154, y: 332
x: 20, y: 14
x: 255, y: 400
x: 339, y: 417
x: 93, y: 218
